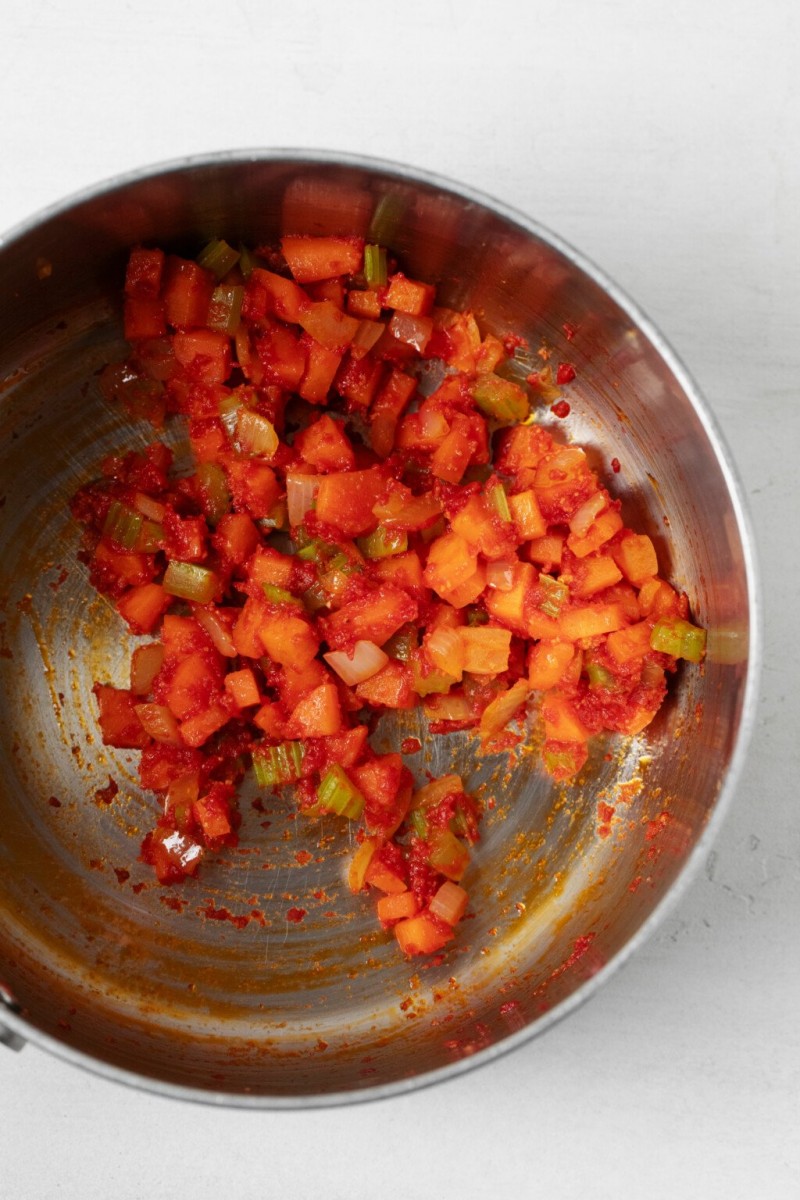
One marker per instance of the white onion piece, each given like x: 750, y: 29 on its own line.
x: 414, y: 331
x: 301, y: 492
x: 367, y: 659
x: 500, y: 575
x: 216, y: 629
x: 449, y: 903
x: 256, y: 433
x: 582, y: 518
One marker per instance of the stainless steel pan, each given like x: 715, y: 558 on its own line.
x: 208, y: 991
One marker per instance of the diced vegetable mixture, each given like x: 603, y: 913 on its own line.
x: 373, y: 520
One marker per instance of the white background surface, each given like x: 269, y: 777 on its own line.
x: 662, y: 139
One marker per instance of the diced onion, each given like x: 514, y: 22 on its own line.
x: 160, y: 723
x: 497, y: 714
x: 449, y: 903
x: 301, y: 492
x: 256, y: 433
x: 500, y: 575
x: 446, y: 651
x: 414, y: 331
x: 216, y: 629
x: 582, y: 518
x: 366, y: 660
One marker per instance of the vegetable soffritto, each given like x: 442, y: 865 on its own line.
x: 350, y: 542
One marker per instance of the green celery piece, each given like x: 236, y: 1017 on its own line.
x: 500, y: 399
x: 384, y: 543
x: 190, y: 581
x: 337, y: 794
x: 122, y: 525
x: 556, y: 593
x: 218, y: 257
x: 678, y: 638
x: 279, y: 595
x: 375, y: 268
x: 225, y: 308
x: 496, y: 495
x: 277, y: 765
x: 600, y: 677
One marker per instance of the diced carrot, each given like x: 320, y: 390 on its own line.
x: 593, y: 574
x: 600, y: 531
x: 241, y: 686
x: 365, y: 304
x: 547, y: 663
x: 318, y: 714
x: 288, y: 639
x: 422, y: 934
x: 282, y: 297
x: 527, y: 516
x: 346, y: 500
x: 397, y: 907
x: 143, y: 606
x: 322, y: 364
x: 409, y: 296
x: 561, y: 723
x: 486, y: 649
x: 196, y: 731
x: 379, y: 875
x: 590, y: 621
x: 314, y: 258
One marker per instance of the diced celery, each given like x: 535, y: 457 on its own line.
x: 555, y: 595
x: 218, y: 257
x: 449, y: 855
x: 279, y: 595
x: 225, y: 308
x: 500, y: 399
x: 679, y: 638
x: 496, y: 495
x: 401, y: 644
x: 375, y: 268
x: 600, y: 677
x: 213, y: 486
x: 190, y: 581
x: 426, y: 681
x: 419, y: 823
x: 336, y: 793
x: 315, y: 598
x: 383, y: 542
x: 122, y: 525
x: 247, y: 260
x: 277, y: 765
x: 151, y: 537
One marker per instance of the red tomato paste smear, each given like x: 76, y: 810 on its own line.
x: 373, y: 520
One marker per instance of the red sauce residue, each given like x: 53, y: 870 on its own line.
x: 170, y: 900
x: 96, y: 864
x: 303, y: 857
x: 605, y: 812
x: 122, y: 875
x: 222, y: 914
x: 106, y: 795
x: 257, y: 915
x: 54, y: 802
x: 616, y: 466
x: 55, y: 584
x: 296, y: 915
x: 569, y: 331
x: 560, y: 409
x: 579, y: 947
x: 655, y: 826
x: 411, y: 745
x: 565, y: 373
x: 138, y: 887
x: 513, y: 342
x: 635, y: 884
